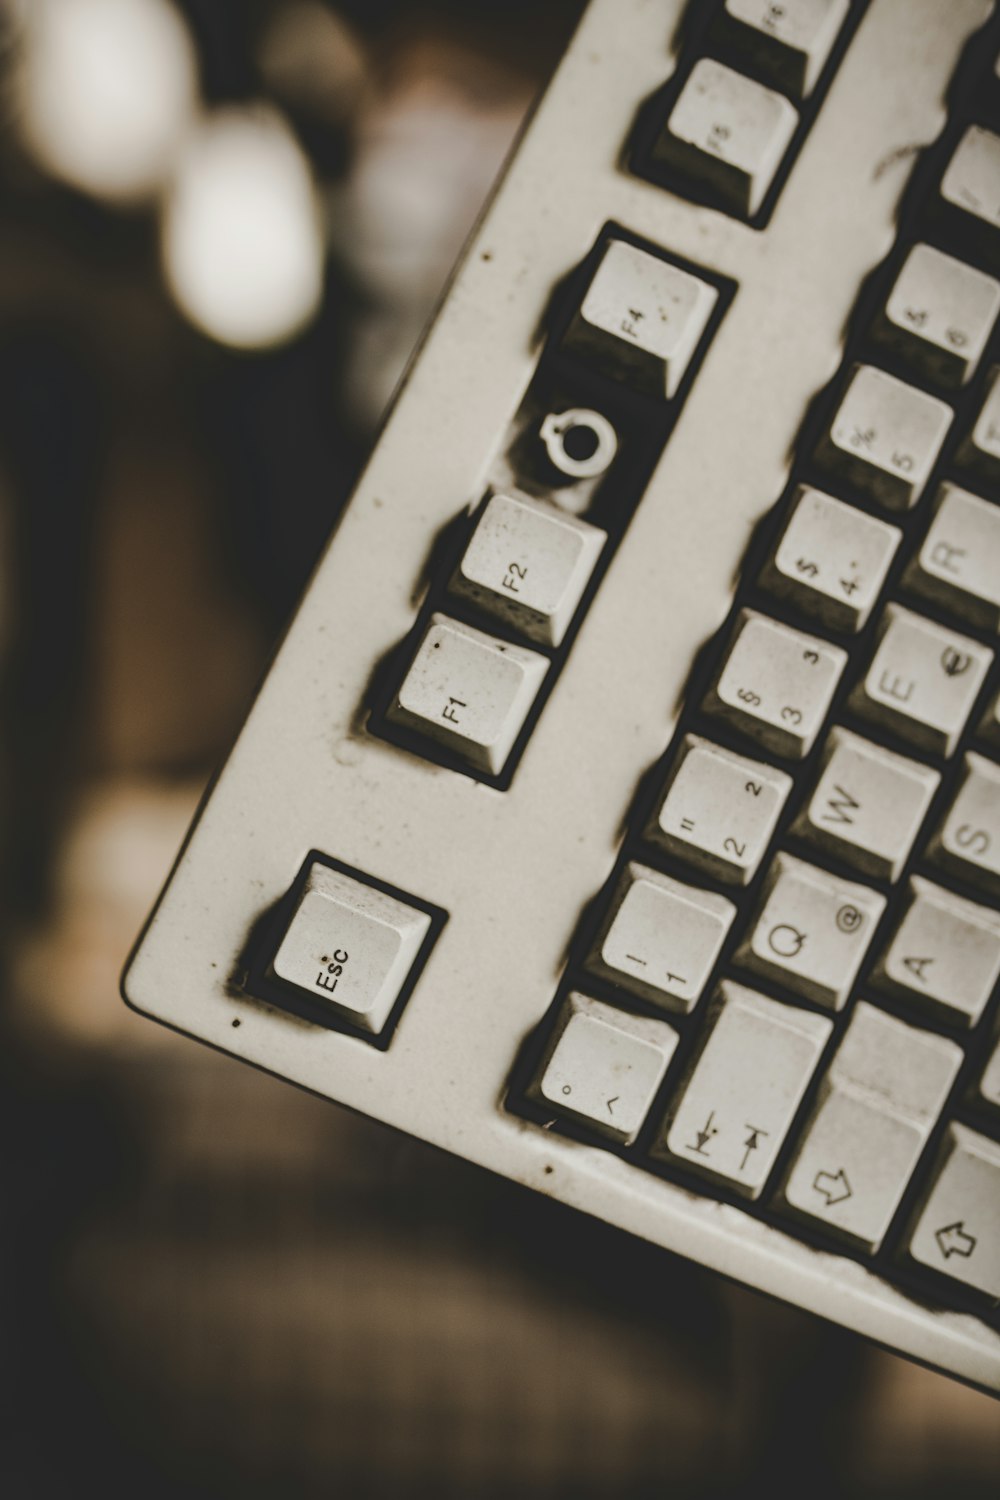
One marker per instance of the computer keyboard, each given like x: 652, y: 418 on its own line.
x: 622, y: 808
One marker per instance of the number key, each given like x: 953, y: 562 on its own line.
x: 832, y: 560
x: 776, y: 683
x: 939, y: 315
x: 885, y: 437
x: 719, y: 810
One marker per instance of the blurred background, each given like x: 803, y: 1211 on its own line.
x: 222, y: 225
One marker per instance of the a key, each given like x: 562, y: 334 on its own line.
x: 989, y: 1083
x: 832, y: 560
x: 944, y: 954
x: 350, y: 946
x: 885, y: 437
x: 923, y: 680
x: 786, y: 44
x: 958, y: 1231
x: 641, y: 318
x: 661, y: 938
x: 811, y: 931
x: 727, y: 133
x: 775, y: 684
x: 469, y: 691
x: 968, y: 840
x: 528, y: 565
x: 972, y: 179
x: 989, y: 728
x: 939, y: 315
x: 980, y: 448
x: 958, y: 565
x: 868, y: 805
x: 603, y: 1066
x: 720, y: 810
x: 741, y: 1094
x: 875, y: 1108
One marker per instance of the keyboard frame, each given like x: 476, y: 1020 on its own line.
x: 514, y: 869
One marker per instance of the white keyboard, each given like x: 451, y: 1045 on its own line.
x: 622, y: 808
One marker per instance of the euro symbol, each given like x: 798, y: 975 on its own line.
x: 786, y: 941
x: 955, y: 662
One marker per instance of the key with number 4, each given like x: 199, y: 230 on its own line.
x: 832, y: 560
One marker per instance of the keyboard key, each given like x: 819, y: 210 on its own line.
x: 885, y: 437
x: 972, y: 178
x: 811, y: 931
x: 944, y: 954
x: 832, y: 560
x: 958, y: 565
x: 989, y: 1083
x: 776, y: 684
x: 868, y: 805
x: 720, y: 810
x: 641, y: 318
x: 923, y: 680
x: 958, y: 1231
x: 469, y: 692
x: 727, y: 133
x: 350, y: 946
x: 528, y: 565
x: 980, y: 449
x: 787, y: 44
x: 968, y: 841
x: 742, y: 1092
x: 876, y: 1106
x: 989, y: 728
x: 939, y: 315
x: 603, y: 1067
x: 661, y: 938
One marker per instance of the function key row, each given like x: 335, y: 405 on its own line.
x: 639, y: 323
x: 731, y: 118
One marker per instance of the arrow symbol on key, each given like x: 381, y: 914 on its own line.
x: 953, y: 1240
x: 613, y: 1100
x: 833, y: 1185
